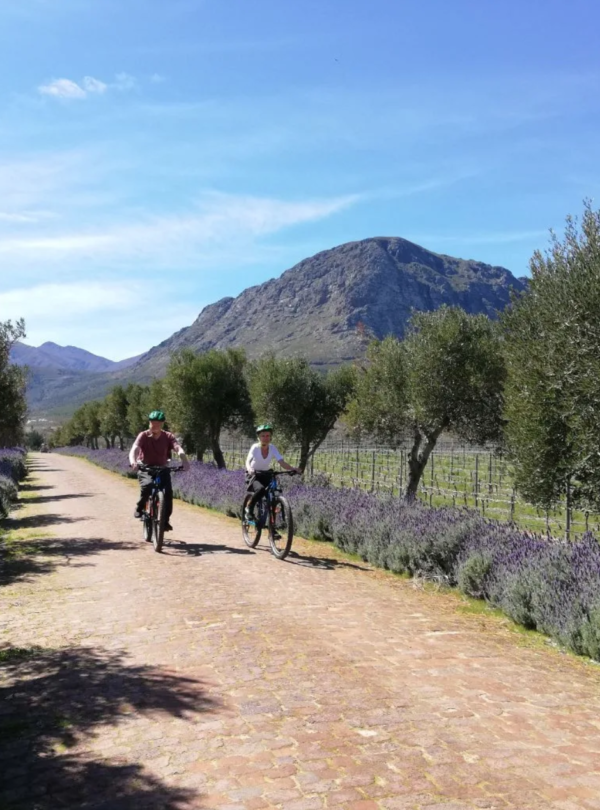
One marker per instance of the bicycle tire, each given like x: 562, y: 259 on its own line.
x: 160, y: 521
x: 251, y: 532
x: 281, y: 520
x: 147, y: 527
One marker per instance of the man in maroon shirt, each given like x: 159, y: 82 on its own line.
x: 153, y: 448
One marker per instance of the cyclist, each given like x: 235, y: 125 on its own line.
x: 258, y: 466
x: 153, y: 448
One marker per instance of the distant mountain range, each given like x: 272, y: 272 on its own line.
x: 317, y: 309
x: 67, y: 358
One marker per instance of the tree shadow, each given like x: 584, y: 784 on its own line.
x: 197, y: 549
x: 23, y: 559
x: 53, y: 701
x: 51, y: 498
x: 38, y: 521
x: 34, y: 487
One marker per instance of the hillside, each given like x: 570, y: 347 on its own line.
x: 313, y: 309
x: 66, y: 358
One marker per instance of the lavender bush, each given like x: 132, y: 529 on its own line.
x: 12, y: 470
x: 544, y: 584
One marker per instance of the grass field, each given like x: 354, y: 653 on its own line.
x: 456, y: 475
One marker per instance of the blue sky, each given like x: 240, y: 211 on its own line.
x: 157, y: 155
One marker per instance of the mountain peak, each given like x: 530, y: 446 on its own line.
x: 314, y: 308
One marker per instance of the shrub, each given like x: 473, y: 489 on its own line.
x: 8, y: 494
x: 545, y: 584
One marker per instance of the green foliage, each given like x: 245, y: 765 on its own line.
x: 380, y: 406
x: 206, y: 394
x: 455, y: 374
x: 472, y: 574
x: 113, y: 416
x: 303, y: 404
x: 8, y: 495
x: 552, y: 335
x: 12, y: 387
x: 34, y: 440
x: 447, y: 374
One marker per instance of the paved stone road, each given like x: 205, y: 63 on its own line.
x: 215, y: 677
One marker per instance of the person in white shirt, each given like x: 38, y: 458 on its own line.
x: 258, y: 466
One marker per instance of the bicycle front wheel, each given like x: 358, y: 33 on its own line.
x: 250, y: 531
x: 147, y: 527
x: 160, y: 521
x: 281, y: 527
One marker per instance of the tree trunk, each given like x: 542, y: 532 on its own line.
x: 417, y: 461
x: 107, y: 440
x: 218, y: 454
x: 304, y: 455
x: 121, y: 443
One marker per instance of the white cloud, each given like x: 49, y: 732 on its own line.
x: 124, y: 82
x: 75, y: 299
x: 176, y: 239
x: 68, y: 89
x: 63, y: 88
x: 157, y: 78
x: 94, y: 85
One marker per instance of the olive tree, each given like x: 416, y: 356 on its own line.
x: 552, y: 336
x: 447, y: 375
x: 12, y: 386
x: 302, y: 403
x: 207, y: 393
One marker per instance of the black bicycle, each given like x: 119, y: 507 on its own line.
x: 274, y: 513
x: 154, y: 516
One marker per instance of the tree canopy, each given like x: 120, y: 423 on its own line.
x: 12, y: 387
x: 552, y: 334
x: 302, y: 403
x: 207, y: 393
x: 447, y: 375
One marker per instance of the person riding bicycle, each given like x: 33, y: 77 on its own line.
x: 258, y: 467
x: 153, y: 448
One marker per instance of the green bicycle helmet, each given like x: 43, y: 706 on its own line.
x: 156, y: 416
x: 268, y: 427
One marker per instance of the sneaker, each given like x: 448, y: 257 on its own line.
x: 168, y: 528
x: 137, y: 514
x: 249, y: 516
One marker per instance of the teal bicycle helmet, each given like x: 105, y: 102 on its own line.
x: 156, y: 416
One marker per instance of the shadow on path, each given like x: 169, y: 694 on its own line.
x: 22, y: 559
x: 52, y: 701
x: 51, y: 498
x: 325, y: 563
x: 196, y: 549
x: 39, y: 521
x: 34, y: 487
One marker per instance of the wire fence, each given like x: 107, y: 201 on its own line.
x: 456, y: 475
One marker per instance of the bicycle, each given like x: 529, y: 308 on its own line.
x: 273, y: 512
x: 154, y: 518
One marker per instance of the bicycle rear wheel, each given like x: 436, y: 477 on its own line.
x: 160, y: 521
x: 251, y: 532
x: 281, y: 527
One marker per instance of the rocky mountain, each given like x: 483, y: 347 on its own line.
x: 318, y: 309
x: 67, y: 358
x: 315, y: 308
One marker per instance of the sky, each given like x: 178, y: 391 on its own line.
x: 157, y: 156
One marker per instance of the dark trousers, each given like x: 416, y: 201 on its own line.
x: 257, y: 483
x: 146, y: 480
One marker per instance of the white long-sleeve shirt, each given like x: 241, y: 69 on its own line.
x: 255, y: 461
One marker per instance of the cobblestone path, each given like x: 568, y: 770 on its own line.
x: 212, y: 676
